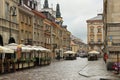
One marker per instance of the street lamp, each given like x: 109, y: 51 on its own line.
x: 12, y: 13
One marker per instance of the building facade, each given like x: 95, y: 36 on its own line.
x: 38, y: 31
x: 95, y: 33
x: 21, y: 23
x: 25, y: 25
x: 112, y: 22
x: 66, y: 39
x: 112, y: 32
x: 9, y: 28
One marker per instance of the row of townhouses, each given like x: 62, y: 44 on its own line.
x: 21, y: 22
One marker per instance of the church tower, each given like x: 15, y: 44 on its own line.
x: 58, y: 14
x: 46, y: 4
x: 59, y: 19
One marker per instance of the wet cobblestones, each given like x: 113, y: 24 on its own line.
x: 57, y: 70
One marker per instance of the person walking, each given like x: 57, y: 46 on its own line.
x: 105, y: 57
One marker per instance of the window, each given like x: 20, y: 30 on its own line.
x: 91, y: 29
x: 22, y: 33
x: 99, y: 40
x: 92, y: 40
x: 29, y: 18
x: 20, y: 2
x: 14, y: 18
x: 99, y: 30
x: 6, y: 10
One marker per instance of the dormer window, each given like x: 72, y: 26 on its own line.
x: 20, y: 2
x: 30, y: 3
x: 34, y: 4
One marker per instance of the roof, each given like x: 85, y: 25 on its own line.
x: 98, y: 17
x: 72, y: 43
x: 39, y: 13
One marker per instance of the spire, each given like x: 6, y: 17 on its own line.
x: 58, y: 14
x: 46, y: 4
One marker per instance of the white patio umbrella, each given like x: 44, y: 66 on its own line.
x: 93, y: 52
x: 12, y: 46
x: 69, y: 52
x: 6, y: 50
x: 25, y: 48
x: 44, y: 49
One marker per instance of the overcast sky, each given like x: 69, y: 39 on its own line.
x: 76, y: 12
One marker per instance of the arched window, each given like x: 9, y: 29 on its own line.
x: 1, y: 40
x: 99, y: 29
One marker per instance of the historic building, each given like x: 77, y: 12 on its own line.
x: 38, y: 31
x: 111, y: 14
x: 25, y: 24
x: 77, y: 45
x: 9, y: 28
x: 112, y: 22
x: 22, y: 23
x: 66, y: 38
x: 95, y: 32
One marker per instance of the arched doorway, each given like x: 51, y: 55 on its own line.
x: 11, y: 40
x: 1, y: 40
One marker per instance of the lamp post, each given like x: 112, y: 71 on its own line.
x: 12, y: 13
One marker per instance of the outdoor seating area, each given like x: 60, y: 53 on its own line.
x: 15, y: 57
x: 69, y: 55
x: 93, y: 55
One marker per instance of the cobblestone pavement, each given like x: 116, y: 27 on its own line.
x: 57, y: 70
x: 97, y: 69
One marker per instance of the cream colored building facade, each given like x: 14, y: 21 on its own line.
x: 9, y: 20
x: 95, y: 33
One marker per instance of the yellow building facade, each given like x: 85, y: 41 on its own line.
x: 25, y: 25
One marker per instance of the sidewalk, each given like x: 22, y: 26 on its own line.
x: 98, y: 69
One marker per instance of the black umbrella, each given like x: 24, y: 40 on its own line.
x: 11, y: 40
